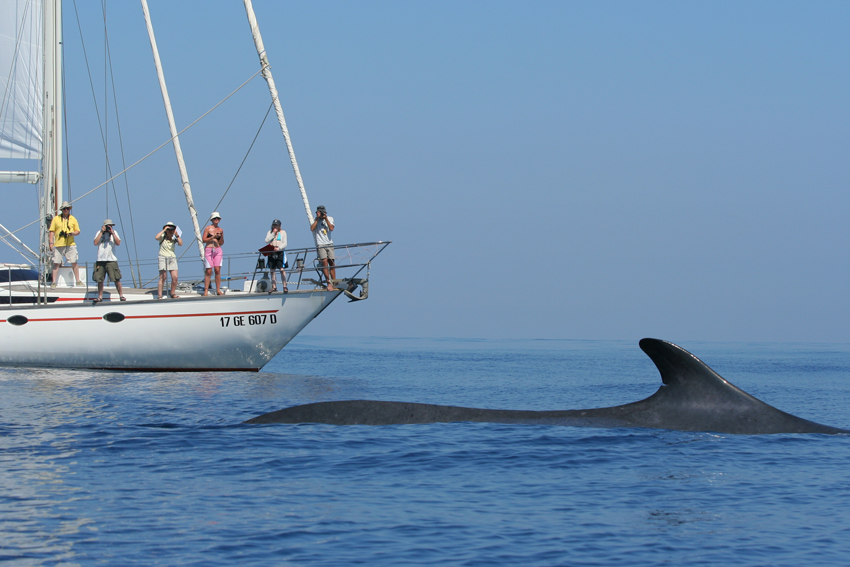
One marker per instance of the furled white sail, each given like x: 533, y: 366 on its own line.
x: 21, y: 61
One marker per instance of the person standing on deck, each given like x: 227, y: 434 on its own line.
x: 277, y: 259
x: 106, y: 240
x: 213, y: 238
x: 322, y: 228
x: 63, y: 229
x: 167, y: 239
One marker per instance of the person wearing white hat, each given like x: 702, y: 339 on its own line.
x: 213, y: 238
x: 167, y: 238
x: 62, y: 231
x: 106, y: 240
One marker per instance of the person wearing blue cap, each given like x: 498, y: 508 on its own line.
x: 277, y: 259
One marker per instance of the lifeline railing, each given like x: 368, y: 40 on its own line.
x: 351, y: 260
x: 304, y: 271
x: 303, y: 261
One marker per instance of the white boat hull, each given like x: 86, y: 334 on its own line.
x: 238, y: 332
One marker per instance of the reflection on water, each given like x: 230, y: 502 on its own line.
x: 121, y: 467
x: 36, y: 462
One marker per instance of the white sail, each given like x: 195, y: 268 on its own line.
x: 21, y: 61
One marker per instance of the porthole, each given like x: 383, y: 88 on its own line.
x: 113, y: 317
x: 17, y: 320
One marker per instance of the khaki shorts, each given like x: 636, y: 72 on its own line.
x: 69, y: 253
x: 102, y: 268
x: 167, y: 264
x: 326, y: 252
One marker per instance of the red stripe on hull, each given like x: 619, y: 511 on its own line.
x: 175, y: 369
x: 155, y: 316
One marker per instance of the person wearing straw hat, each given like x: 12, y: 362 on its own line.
x: 167, y: 238
x: 106, y: 240
x: 62, y: 231
x: 277, y: 259
x: 213, y: 238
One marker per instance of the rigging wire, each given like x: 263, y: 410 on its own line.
x: 14, y: 59
x: 103, y: 125
x: 152, y: 152
x: 257, y: 135
x: 91, y: 82
x: 5, y: 104
x: 126, y: 178
x: 12, y: 246
x: 111, y: 80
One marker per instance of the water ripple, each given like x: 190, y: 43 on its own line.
x: 131, y: 468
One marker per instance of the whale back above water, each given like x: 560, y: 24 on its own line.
x: 693, y: 397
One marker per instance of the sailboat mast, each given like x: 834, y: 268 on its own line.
x: 51, y: 161
x: 267, y: 75
x: 184, y: 175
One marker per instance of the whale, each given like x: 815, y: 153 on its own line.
x: 692, y: 397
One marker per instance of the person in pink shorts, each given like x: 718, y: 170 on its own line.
x: 213, y: 238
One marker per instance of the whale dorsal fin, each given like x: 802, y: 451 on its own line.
x: 695, y: 397
x: 690, y: 377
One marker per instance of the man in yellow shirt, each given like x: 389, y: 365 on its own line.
x: 63, y: 229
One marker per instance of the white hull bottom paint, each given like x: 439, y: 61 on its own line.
x: 232, y: 332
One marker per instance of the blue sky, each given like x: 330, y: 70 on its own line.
x: 582, y: 170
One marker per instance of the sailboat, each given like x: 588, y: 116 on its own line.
x: 62, y: 326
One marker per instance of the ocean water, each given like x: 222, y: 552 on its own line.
x: 122, y: 468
